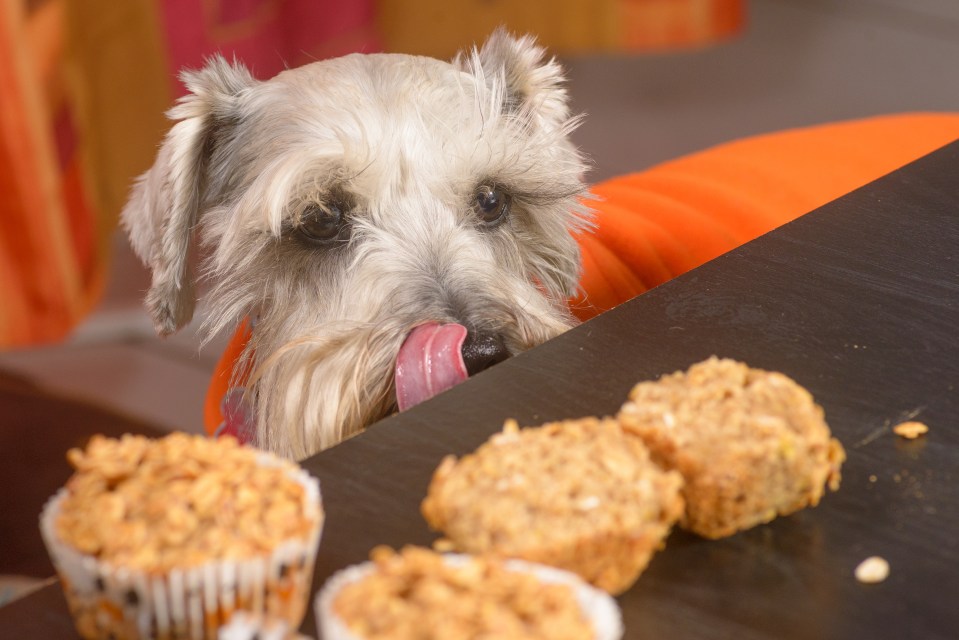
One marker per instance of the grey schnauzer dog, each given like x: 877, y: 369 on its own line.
x: 392, y: 223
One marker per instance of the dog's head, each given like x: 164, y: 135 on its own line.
x: 374, y: 214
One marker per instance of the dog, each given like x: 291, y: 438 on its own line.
x: 390, y: 224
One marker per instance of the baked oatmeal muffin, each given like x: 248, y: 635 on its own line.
x: 169, y: 537
x: 581, y: 495
x: 418, y: 594
x: 750, y: 444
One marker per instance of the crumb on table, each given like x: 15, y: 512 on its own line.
x: 872, y: 570
x: 910, y: 430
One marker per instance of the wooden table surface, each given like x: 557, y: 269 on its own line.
x: 857, y: 301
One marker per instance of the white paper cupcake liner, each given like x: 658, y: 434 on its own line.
x: 246, y: 626
x: 599, y: 607
x: 120, y: 603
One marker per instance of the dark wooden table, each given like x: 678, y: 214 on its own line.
x: 858, y: 301
x: 36, y: 430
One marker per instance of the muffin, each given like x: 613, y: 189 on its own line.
x: 750, y: 444
x: 419, y: 594
x: 581, y: 495
x: 168, y: 538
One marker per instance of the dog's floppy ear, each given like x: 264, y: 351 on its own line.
x: 164, y: 205
x: 530, y: 81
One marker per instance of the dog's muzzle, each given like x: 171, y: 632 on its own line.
x: 435, y: 357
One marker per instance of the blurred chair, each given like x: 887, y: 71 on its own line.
x: 440, y: 28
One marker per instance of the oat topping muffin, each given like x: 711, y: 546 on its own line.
x: 419, y: 594
x: 750, y: 444
x: 581, y: 495
x: 169, y: 537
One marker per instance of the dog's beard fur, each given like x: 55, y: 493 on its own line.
x: 400, y: 144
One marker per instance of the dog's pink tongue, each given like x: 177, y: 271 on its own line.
x: 430, y: 361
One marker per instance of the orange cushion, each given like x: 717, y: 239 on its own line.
x: 659, y: 223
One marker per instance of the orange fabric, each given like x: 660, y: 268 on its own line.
x: 223, y: 376
x: 657, y: 224
x: 650, y: 25
x: 50, y: 274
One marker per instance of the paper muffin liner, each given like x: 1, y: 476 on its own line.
x: 246, y: 626
x: 108, y: 601
x: 599, y: 607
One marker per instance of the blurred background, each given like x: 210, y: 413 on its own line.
x: 84, y: 85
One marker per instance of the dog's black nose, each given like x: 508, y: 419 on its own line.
x: 482, y: 352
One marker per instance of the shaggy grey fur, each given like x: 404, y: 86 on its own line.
x: 397, y: 146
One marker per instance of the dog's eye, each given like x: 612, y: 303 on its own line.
x: 491, y: 205
x: 322, y: 223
